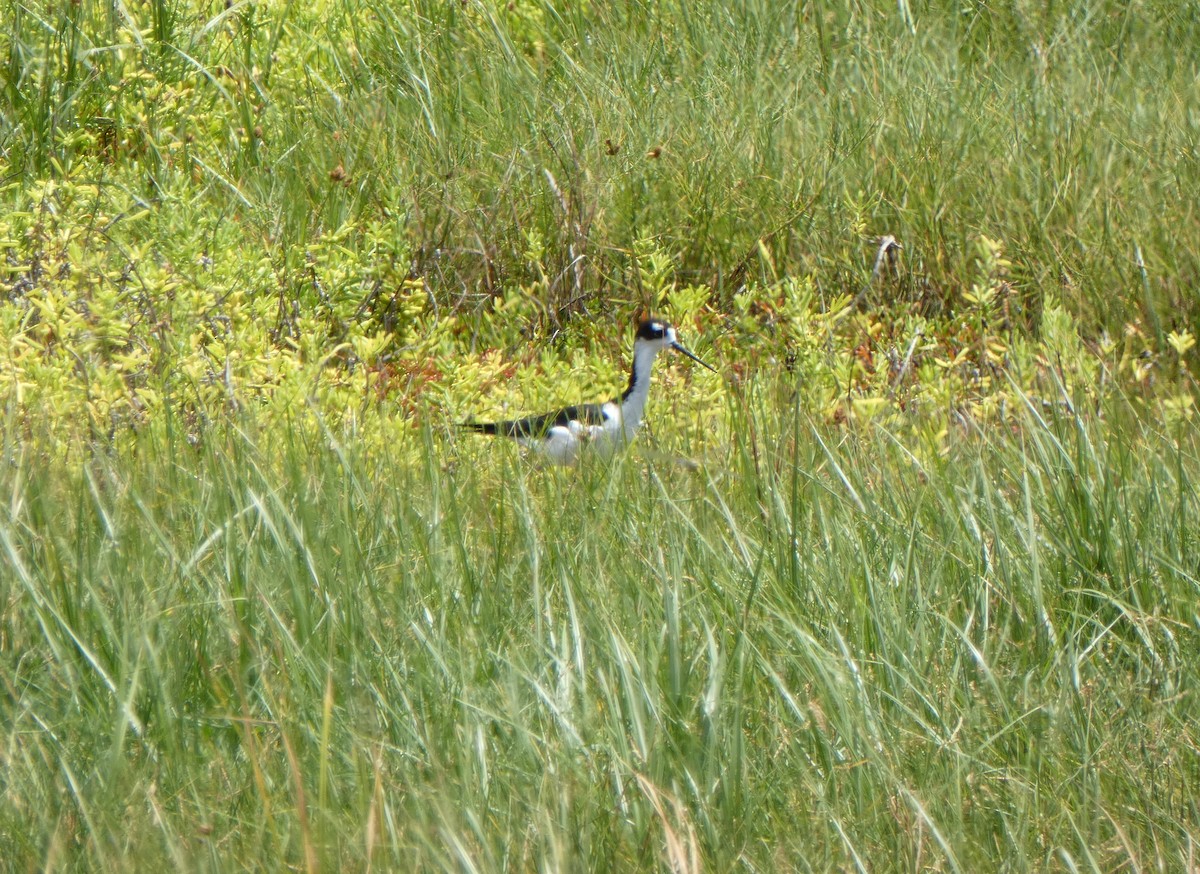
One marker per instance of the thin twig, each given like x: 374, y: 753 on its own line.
x: 888, y: 245
x: 908, y: 356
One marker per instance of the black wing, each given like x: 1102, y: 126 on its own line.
x: 538, y: 426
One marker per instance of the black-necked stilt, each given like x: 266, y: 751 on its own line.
x: 604, y: 428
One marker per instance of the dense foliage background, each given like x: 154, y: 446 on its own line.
x: 922, y: 593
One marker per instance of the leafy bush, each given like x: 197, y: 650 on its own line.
x: 923, y: 591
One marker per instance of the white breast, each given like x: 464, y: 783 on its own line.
x: 610, y: 436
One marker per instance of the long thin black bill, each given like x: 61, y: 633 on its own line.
x: 679, y: 347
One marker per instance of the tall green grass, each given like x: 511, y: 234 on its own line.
x: 811, y: 653
x: 1066, y: 130
x: 242, y: 641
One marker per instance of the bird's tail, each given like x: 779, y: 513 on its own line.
x: 481, y: 427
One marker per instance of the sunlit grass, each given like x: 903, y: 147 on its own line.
x: 922, y: 594
x: 812, y: 653
x: 1065, y: 131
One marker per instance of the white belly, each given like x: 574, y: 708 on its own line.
x: 563, y: 444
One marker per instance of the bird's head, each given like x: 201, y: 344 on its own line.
x: 658, y: 335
